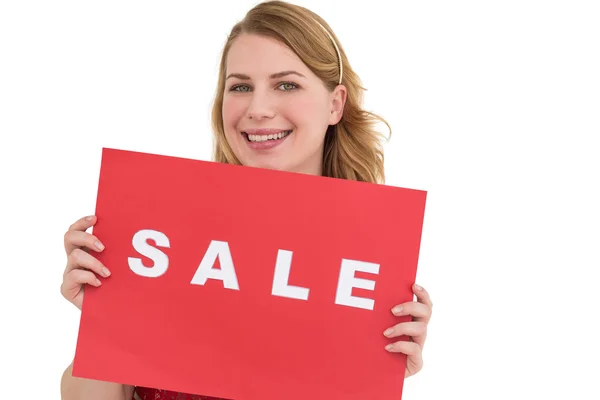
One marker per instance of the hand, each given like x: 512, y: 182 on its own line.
x: 82, y: 266
x: 416, y: 330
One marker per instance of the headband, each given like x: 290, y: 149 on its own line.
x: 336, y: 49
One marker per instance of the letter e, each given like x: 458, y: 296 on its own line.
x: 347, y: 281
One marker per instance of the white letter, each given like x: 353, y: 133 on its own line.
x: 140, y: 244
x: 226, y: 273
x: 282, y: 276
x: 347, y: 281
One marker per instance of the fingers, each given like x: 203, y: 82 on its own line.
x: 419, y: 311
x: 83, y: 224
x: 78, y: 277
x: 417, y: 330
x: 414, y: 361
x: 72, y: 286
x: 80, y: 259
x: 422, y: 296
x: 80, y: 239
x: 82, y: 268
x: 409, y: 348
x: 80, y: 225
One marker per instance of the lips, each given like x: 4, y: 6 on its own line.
x: 261, y: 139
x: 265, y: 137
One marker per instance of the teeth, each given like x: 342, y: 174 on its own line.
x: 264, y: 138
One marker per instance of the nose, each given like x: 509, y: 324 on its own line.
x: 262, y: 105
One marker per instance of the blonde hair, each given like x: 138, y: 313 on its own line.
x: 353, y: 149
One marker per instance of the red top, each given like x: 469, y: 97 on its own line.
x: 141, y: 393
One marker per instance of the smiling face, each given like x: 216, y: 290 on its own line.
x: 276, y: 111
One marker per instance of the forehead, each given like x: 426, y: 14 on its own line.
x: 261, y: 55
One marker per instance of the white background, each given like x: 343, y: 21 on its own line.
x: 495, y: 108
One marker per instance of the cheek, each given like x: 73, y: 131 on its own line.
x: 233, y: 111
x: 307, y: 114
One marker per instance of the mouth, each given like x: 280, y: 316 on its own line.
x: 270, y: 137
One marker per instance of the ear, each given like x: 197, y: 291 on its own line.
x: 338, y: 101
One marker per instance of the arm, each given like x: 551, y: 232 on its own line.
x: 73, y: 388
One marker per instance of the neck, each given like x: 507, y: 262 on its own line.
x: 312, y: 166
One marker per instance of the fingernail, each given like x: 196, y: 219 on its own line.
x: 388, y: 332
x: 89, y: 218
x: 419, y: 288
x: 105, y: 271
x: 99, y: 246
x: 98, y: 282
x: 389, y: 347
x: 397, y: 310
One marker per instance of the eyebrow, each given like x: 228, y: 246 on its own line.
x: 272, y: 76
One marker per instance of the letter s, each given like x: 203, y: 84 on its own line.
x: 140, y: 244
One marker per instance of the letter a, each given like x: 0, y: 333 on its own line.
x: 206, y: 271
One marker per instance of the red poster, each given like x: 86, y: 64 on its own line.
x: 247, y: 284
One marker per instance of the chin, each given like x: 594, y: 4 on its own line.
x: 267, y: 164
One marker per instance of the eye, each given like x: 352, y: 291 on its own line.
x: 288, y: 86
x: 240, y: 88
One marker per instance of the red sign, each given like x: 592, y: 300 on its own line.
x: 247, y: 283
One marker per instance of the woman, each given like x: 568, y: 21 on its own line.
x: 287, y: 99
